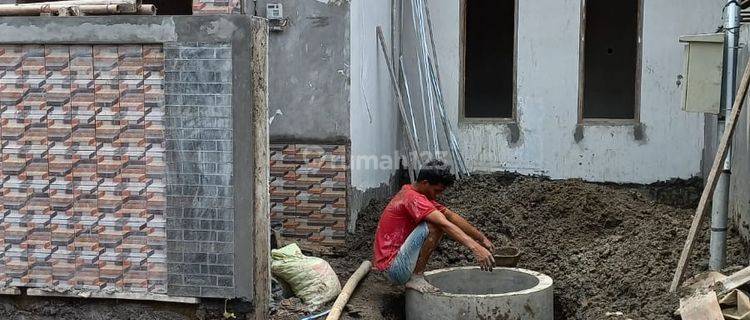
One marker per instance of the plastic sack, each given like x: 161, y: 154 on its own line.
x: 312, y: 279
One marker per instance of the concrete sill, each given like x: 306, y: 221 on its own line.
x: 120, y: 295
x: 608, y: 122
x: 498, y: 121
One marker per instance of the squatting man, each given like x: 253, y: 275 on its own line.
x: 412, y: 225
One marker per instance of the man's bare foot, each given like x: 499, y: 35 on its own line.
x: 418, y: 283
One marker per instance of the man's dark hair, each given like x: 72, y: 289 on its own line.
x: 436, y: 172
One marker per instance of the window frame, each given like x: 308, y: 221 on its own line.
x: 462, y: 118
x: 582, y: 74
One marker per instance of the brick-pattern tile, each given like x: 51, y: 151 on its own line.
x: 82, y: 167
x: 199, y: 157
x: 216, y: 6
x: 309, y: 192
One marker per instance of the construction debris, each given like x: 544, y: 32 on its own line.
x: 712, y: 295
x: 78, y: 8
x: 701, y: 306
x: 733, y: 281
x: 736, y: 305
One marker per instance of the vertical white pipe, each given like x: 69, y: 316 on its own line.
x: 720, y: 207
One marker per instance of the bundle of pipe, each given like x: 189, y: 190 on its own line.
x: 436, y: 138
x: 78, y: 7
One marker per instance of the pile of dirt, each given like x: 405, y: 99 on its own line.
x: 609, y: 248
x: 49, y: 308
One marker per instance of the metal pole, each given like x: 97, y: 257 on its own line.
x: 452, y: 140
x: 412, y: 122
x: 720, y: 208
x: 428, y: 140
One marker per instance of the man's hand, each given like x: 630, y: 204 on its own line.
x: 487, y: 244
x: 484, y: 258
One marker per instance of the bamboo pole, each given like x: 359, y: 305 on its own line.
x: 147, y: 9
x: 75, y: 3
x: 346, y: 292
x: 713, y: 179
x: 35, y: 11
x: 84, y: 6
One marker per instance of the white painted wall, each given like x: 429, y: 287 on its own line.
x: 547, y: 89
x: 373, y: 121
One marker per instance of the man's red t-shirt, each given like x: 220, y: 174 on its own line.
x: 402, y: 215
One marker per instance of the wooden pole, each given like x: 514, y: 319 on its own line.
x: 147, y: 9
x: 412, y: 142
x: 346, y: 292
x: 721, y: 154
x: 261, y: 171
x: 49, y: 9
x: 103, y: 7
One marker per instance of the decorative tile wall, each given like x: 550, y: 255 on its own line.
x: 83, y: 173
x: 216, y: 6
x: 200, y: 153
x: 309, y: 194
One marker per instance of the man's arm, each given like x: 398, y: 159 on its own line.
x: 484, y: 257
x: 469, y: 229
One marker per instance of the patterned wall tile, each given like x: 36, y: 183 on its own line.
x: 130, y: 62
x: 33, y: 61
x: 106, y: 61
x: 11, y: 59
x: 81, y: 62
x: 82, y: 162
x: 308, y: 194
x: 153, y: 63
x: 57, y: 61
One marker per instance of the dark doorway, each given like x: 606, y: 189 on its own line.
x: 489, y: 58
x: 610, y: 59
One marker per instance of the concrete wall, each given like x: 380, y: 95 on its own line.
x: 374, y: 116
x: 309, y: 72
x: 545, y: 139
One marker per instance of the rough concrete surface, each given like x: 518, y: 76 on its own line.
x: 609, y: 248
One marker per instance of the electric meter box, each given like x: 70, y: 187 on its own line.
x: 274, y: 11
x: 704, y: 60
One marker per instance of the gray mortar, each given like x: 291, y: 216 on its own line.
x: 639, y: 132
x: 469, y: 293
x: 514, y: 134
x: 578, y: 133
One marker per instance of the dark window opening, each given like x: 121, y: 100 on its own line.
x: 489, y: 59
x: 610, y: 59
x: 172, y: 7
